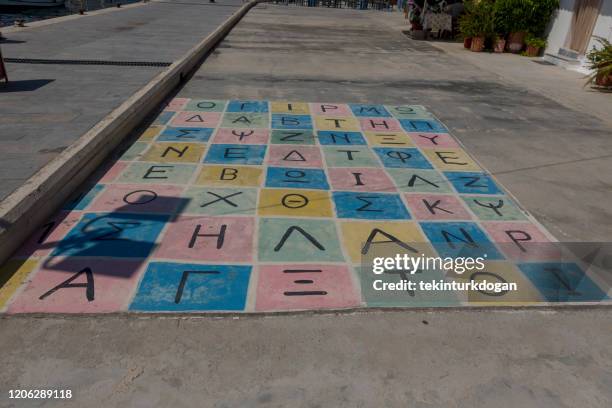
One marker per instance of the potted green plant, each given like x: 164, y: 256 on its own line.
x: 499, y: 43
x: 513, y: 15
x: 534, y: 45
x: 600, y: 61
x: 477, y: 23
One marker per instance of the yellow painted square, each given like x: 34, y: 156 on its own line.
x: 355, y: 236
x: 389, y: 139
x: 150, y: 134
x: 174, y: 153
x: 12, y: 274
x: 499, y: 271
x: 337, y: 123
x: 299, y: 203
x: 296, y: 108
x: 243, y: 176
x: 451, y: 159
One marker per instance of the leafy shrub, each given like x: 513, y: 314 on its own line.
x: 600, y: 60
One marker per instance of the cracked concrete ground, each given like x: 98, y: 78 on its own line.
x: 555, y: 159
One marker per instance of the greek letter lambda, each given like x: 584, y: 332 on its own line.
x: 391, y: 238
x: 306, y: 235
x: 67, y: 284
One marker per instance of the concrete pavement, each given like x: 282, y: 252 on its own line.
x: 551, y: 157
x: 471, y: 359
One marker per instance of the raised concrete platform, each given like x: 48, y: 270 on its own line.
x: 45, y: 108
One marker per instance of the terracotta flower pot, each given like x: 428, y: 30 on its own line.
x: 516, y: 41
x: 478, y: 44
x: 467, y: 42
x: 603, y: 80
x: 533, y: 51
x: 500, y: 45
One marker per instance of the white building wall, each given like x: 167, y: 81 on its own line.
x: 562, y: 20
x: 603, y: 27
x: 559, y: 28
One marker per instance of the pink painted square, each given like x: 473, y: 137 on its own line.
x: 215, y: 239
x: 196, y: 119
x: 430, y: 140
x: 113, y: 283
x: 298, y: 287
x: 330, y: 109
x: 294, y: 156
x: 380, y: 125
x: 522, y: 241
x: 45, y: 239
x: 242, y: 136
x: 137, y: 198
x: 176, y: 104
x: 110, y: 174
x: 437, y: 207
x: 360, y: 179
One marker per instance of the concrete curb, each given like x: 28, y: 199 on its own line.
x: 34, y: 202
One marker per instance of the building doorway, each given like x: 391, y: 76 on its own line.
x: 583, y: 21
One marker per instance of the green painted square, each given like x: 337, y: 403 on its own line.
x: 408, y: 111
x: 245, y: 120
x: 349, y: 156
x: 403, y: 298
x: 298, y: 137
x: 134, y: 152
x: 419, y: 181
x: 298, y: 240
x: 221, y: 201
x: 205, y: 105
x: 157, y: 173
x: 496, y: 208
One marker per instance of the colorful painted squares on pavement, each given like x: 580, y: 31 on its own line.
x: 265, y: 206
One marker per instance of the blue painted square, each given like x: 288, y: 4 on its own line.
x: 174, y: 134
x: 460, y: 239
x: 369, y: 111
x: 370, y: 206
x: 82, y: 199
x: 163, y: 118
x: 235, y: 154
x: 114, y: 235
x: 178, y: 287
x: 422, y: 125
x: 285, y: 121
x: 466, y: 182
x: 330, y: 137
x: 296, y: 178
x: 248, y: 106
x: 562, y: 282
x: 407, y: 157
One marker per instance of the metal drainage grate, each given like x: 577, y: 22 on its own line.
x: 87, y: 62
